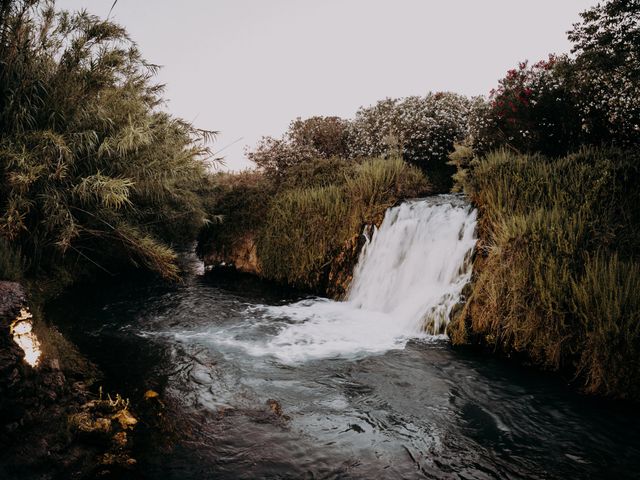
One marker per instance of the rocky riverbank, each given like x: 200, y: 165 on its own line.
x: 52, y: 424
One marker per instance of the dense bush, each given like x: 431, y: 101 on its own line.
x: 532, y: 110
x: 92, y: 173
x: 422, y: 130
x: 317, y: 172
x: 238, y: 204
x: 326, y: 135
x: 377, y: 184
x: 303, y: 229
x: 561, y: 246
x: 607, y: 71
x: 275, y: 156
x: 11, y: 263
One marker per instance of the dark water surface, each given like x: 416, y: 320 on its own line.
x: 425, y: 411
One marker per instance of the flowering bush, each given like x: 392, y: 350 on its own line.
x: 422, y: 129
x: 559, y: 104
x: 532, y: 109
x: 607, y: 71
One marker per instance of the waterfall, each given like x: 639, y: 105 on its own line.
x: 409, y: 276
x: 416, y: 264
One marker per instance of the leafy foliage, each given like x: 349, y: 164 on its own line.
x: 421, y: 129
x: 303, y: 229
x: 93, y: 173
x: 11, y: 262
x: 313, y: 139
x: 326, y: 135
x: 276, y: 156
x: 532, y: 110
x: 376, y: 184
x: 240, y: 202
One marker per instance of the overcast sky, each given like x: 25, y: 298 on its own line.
x: 248, y: 67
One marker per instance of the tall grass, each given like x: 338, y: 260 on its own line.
x: 376, y: 184
x: 303, y: 228
x: 12, y: 265
x: 560, y: 245
x: 307, y: 229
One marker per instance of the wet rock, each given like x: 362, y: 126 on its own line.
x: 241, y: 257
x: 275, y: 406
x: 12, y: 298
x: 356, y: 428
x: 118, y: 459
x: 120, y: 439
x: 46, y: 423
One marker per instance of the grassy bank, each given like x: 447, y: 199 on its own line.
x: 557, y: 274
x: 306, y: 231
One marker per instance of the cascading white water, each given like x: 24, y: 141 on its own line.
x: 408, y: 278
x: 417, y: 263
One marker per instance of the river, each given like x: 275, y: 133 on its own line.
x: 262, y: 382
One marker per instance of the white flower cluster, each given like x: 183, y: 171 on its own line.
x: 614, y: 98
x: 607, y: 48
x: 420, y: 128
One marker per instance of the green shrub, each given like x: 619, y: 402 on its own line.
x: 557, y: 105
x: 607, y: 306
x: 561, y: 244
x: 422, y: 130
x: 317, y: 172
x: 377, y: 184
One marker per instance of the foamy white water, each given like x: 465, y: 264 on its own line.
x: 408, y: 278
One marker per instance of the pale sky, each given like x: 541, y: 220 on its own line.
x: 248, y: 67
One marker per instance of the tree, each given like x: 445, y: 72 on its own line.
x: 423, y: 130
x: 557, y: 105
x: 313, y: 140
x: 607, y: 64
x: 326, y: 135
